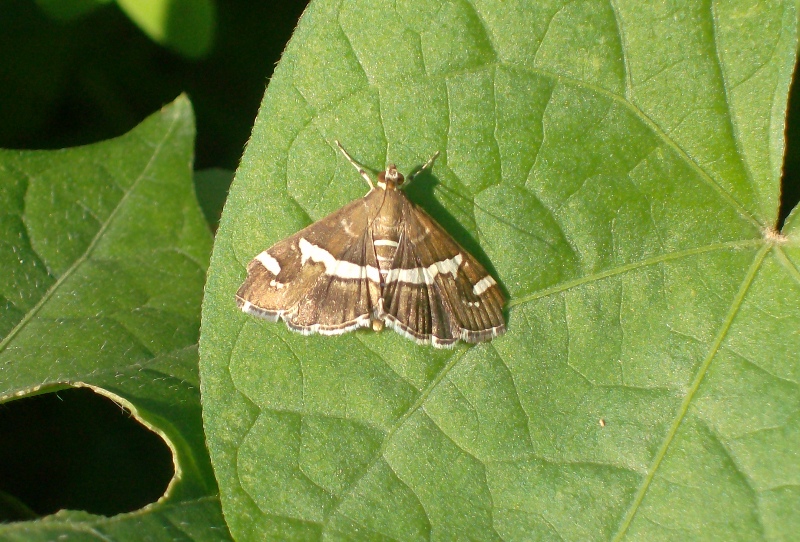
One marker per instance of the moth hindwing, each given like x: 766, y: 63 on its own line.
x: 379, y: 260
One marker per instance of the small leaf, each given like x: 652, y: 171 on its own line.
x: 618, y: 164
x: 185, y: 26
x: 104, y: 255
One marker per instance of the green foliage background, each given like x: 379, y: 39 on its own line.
x: 617, y: 166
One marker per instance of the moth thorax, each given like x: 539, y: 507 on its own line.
x: 391, y: 178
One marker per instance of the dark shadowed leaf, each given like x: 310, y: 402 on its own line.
x: 185, y: 26
x: 68, y: 10
x: 212, y: 187
x: 104, y: 251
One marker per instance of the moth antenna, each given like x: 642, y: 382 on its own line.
x: 427, y: 165
x: 356, y: 165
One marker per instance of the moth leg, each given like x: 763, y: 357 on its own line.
x: 427, y: 165
x: 356, y: 165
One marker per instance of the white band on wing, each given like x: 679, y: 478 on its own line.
x: 425, y: 275
x: 337, y: 268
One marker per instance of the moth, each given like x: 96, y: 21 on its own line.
x: 378, y: 261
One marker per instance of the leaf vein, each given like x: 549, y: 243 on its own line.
x: 564, y: 286
x: 414, y: 407
x: 692, y: 391
x: 95, y: 240
x: 622, y: 44
x: 729, y: 118
x: 657, y: 130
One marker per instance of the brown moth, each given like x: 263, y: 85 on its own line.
x: 379, y: 260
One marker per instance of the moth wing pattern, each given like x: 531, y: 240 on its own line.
x: 448, y: 309
x: 288, y: 281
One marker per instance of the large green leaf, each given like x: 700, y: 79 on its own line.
x: 618, y: 166
x: 104, y: 252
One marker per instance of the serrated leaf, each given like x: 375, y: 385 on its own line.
x: 618, y: 165
x: 104, y: 255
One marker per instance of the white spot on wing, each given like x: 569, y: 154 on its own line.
x: 346, y: 226
x: 482, y: 285
x: 269, y: 262
x: 334, y: 267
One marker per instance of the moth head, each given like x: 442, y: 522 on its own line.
x: 391, y: 178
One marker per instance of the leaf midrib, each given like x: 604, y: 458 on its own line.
x: 572, y: 284
x: 379, y: 454
x: 563, y: 286
x: 690, y: 394
x: 90, y: 248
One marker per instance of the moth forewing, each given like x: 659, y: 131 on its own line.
x: 377, y: 260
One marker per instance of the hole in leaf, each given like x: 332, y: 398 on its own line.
x: 75, y: 449
x: 790, y: 183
